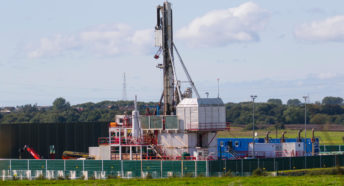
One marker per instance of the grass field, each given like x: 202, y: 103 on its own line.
x: 285, y: 180
x: 326, y: 137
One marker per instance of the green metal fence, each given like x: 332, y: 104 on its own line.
x: 244, y: 167
x: 158, y: 168
x: 331, y: 148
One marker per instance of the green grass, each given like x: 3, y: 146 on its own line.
x: 326, y: 137
x: 285, y: 180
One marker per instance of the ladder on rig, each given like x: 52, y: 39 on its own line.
x: 233, y: 153
x: 158, y: 151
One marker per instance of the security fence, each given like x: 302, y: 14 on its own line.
x: 331, y: 148
x: 102, y: 169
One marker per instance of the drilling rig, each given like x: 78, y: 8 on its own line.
x: 171, y: 95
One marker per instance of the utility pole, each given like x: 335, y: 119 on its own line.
x: 253, y: 129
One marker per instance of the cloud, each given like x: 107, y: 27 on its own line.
x: 330, y: 29
x: 102, y: 40
x: 222, y: 27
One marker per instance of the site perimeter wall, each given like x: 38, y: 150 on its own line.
x: 64, y: 136
x: 163, y: 169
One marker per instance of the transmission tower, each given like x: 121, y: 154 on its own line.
x: 124, y: 93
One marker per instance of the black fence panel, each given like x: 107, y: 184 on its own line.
x: 64, y: 136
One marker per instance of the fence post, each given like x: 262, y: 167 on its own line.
x: 182, y: 168
x: 102, y: 165
x: 242, y: 167
x: 320, y: 162
x: 64, y: 165
x: 122, y: 173
x: 46, y: 165
x: 28, y: 164
x: 141, y: 168
x: 206, y: 168
x: 195, y: 168
x: 161, y: 169
x: 10, y: 165
x: 83, y: 165
x: 225, y: 166
x: 289, y: 163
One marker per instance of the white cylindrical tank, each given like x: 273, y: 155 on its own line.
x: 136, y: 127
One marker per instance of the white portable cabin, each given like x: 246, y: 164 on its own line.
x: 199, y: 119
x: 206, y: 114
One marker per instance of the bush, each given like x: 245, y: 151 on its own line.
x: 259, y: 172
x: 228, y: 173
x: 149, y: 176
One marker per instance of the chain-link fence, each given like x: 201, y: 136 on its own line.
x: 102, y: 169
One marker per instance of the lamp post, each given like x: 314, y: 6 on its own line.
x: 305, y: 97
x: 253, y: 142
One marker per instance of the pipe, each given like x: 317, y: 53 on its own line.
x: 267, y: 137
x: 282, y: 138
x: 299, y: 136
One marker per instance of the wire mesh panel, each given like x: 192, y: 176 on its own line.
x: 189, y: 168
x: 20, y: 164
x: 282, y: 163
x: 55, y: 164
x: 297, y: 162
x: 171, y: 122
x: 340, y: 160
x: 5, y: 164
x: 231, y: 165
x: 152, y: 168
x: 75, y: 165
x: 201, y: 168
x: 267, y: 164
x: 93, y: 165
x: 215, y: 167
x: 132, y: 168
x: 331, y: 148
x: 37, y: 165
x: 112, y: 167
x: 250, y: 165
x: 171, y: 168
x: 313, y: 162
x: 328, y: 161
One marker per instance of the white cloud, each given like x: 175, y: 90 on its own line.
x: 330, y: 29
x: 222, y: 27
x: 103, y: 40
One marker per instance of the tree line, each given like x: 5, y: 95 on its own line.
x: 329, y: 110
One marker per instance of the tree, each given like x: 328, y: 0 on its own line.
x: 332, y: 100
x: 294, y: 102
x: 294, y: 115
x: 275, y: 101
x: 319, y: 119
x: 60, y: 104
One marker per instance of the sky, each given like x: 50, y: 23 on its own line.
x: 80, y: 49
